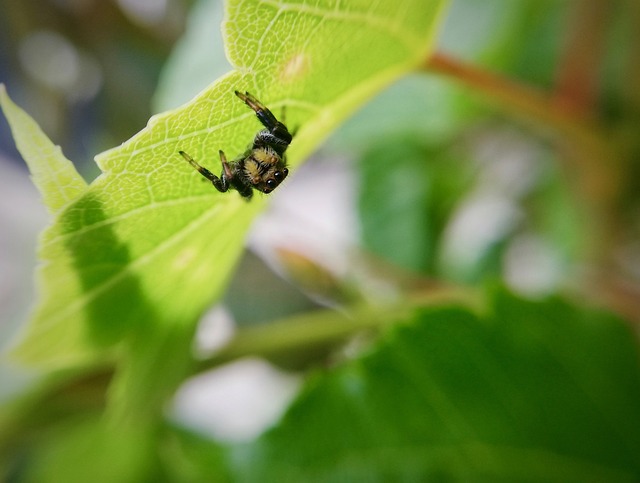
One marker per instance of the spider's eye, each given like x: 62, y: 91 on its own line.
x: 278, y: 175
x: 271, y: 183
x: 285, y: 172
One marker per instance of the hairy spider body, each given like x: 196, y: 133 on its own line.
x: 263, y: 166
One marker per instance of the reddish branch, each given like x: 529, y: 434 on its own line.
x: 579, y: 68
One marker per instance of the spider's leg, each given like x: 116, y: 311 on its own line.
x: 220, y: 184
x: 228, y: 176
x: 266, y: 117
x: 226, y: 169
x: 201, y: 169
x: 267, y: 138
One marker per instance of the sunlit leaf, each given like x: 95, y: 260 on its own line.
x: 54, y: 175
x: 150, y: 244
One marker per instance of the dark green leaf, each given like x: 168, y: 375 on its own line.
x: 530, y: 392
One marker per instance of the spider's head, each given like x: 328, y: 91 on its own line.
x: 265, y: 169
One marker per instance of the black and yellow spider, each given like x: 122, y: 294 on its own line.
x: 263, y: 166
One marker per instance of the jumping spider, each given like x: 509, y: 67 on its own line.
x: 263, y: 166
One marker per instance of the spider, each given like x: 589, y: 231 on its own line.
x: 263, y: 166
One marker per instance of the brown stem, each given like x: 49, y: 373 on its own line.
x: 633, y: 64
x: 594, y: 160
x: 516, y: 98
x: 593, y: 163
x: 578, y: 76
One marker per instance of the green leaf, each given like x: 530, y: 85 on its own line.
x: 197, y: 58
x: 530, y: 392
x: 149, y: 245
x: 191, y: 458
x: 90, y: 450
x: 53, y: 174
x: 412, y: 200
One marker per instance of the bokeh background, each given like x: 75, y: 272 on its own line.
x: 428, y: 185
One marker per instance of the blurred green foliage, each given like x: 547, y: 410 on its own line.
x: 454, y: 396
x: 426, y: 371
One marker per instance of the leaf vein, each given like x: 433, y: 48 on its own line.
x: 368, y: 18
x: 88, y: 296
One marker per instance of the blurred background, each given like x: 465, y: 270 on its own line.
x: 427, y: 186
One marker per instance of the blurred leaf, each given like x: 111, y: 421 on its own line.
x: 190, y: 458
x: 529, y: 44
x: 57, y: 432
x: 317, y: 280
x: 407, y: 193
x: 530, y: 392
x: 425, y: 107
x: 54, y: 175
x: 92, y: 451
x: 518, y: 37
x: 196, y: 59
x: 155, y: 363
x: 149, y: 244
x: 556, y: 215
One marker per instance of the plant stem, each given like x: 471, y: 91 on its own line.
x: 578, y: 76
x: 632, y: 77
x: 594, y: 163
x: 519, y: 99
x: 298, y: 340
x: 549, y: 113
